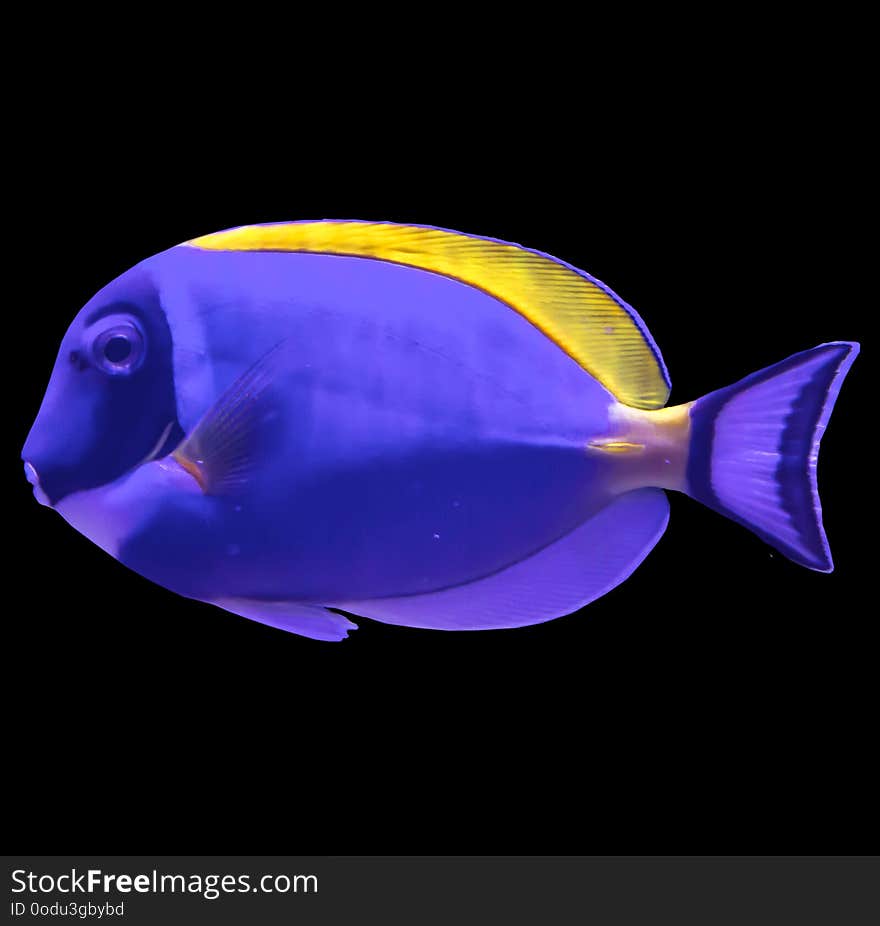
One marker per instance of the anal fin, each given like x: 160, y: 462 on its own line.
x: 562, y: 577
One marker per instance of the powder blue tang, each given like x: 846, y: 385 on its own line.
x: 404, y: 423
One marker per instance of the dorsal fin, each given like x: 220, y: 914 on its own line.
x: 594, y: 326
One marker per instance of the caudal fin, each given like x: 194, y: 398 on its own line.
x: 754, y: 448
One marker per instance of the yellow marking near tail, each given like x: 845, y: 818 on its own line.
x: 590, y: 325
x: 663, y: 437
x: 615, y: 446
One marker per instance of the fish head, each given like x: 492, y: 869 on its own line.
x: 110, y: 402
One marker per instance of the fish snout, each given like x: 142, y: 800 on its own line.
x: 33, y: 477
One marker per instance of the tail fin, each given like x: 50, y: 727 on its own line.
x: 754, y: 448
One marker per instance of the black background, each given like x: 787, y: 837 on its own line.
x: 720, y: 700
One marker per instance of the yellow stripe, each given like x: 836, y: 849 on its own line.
x: 616, y: 446
x: 577, y: 314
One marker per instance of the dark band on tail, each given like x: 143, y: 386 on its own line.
x: 755, y: 445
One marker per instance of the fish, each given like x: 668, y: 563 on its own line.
x: 402, y: 423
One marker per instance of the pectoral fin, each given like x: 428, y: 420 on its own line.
x: 224, y: 447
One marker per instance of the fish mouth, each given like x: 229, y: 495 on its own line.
x: 33, y: 477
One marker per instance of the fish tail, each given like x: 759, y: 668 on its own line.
x: 754, y: 447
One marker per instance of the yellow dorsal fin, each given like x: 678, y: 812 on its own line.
x: 600, y: 331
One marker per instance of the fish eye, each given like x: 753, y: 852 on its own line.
x: 119, y: 350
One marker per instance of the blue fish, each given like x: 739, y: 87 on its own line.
x: 406, y: 423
